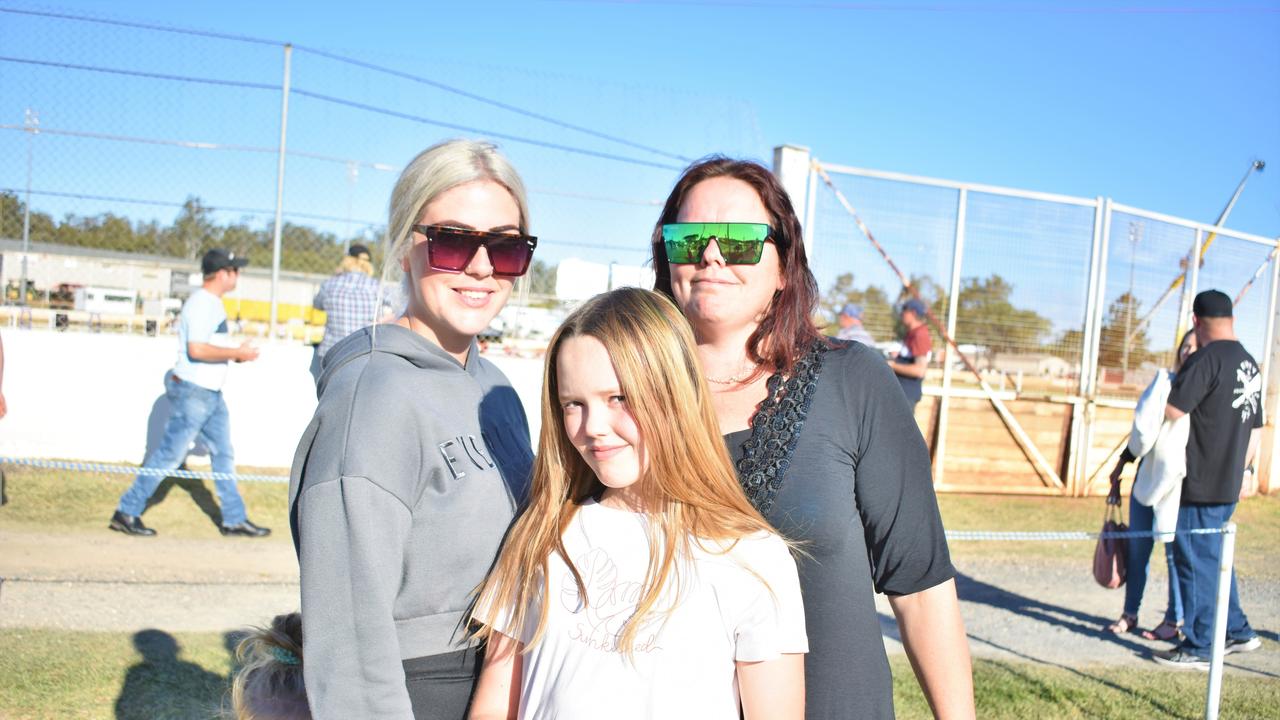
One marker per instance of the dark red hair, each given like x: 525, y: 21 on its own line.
x: 787, y: 330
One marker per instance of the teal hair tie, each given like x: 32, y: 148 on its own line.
x: 284, y: 656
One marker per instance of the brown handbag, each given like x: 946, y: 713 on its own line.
x: 1109, y: 554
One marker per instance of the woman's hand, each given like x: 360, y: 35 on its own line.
x: 1113, y: 496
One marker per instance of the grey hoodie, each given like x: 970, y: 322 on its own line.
x: 401, y: 489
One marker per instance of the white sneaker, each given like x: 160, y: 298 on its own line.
x: 1242, y: 646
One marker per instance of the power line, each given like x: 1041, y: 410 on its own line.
x: 495, y: 103
x: 143, y: 74
x: 203, y: 145
x: 384, y: 167
x: 143, y: 26
x: 353, y: 104
x: 367, y: 66
x: 309, y: 216
x: 170, y: 203
x: 488, y: 133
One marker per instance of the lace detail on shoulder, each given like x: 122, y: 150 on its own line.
x: 776, y: 426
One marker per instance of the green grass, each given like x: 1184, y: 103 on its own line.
x: 66, y: 501
x: 1258, y: 519
x: 57, y: 674
x: 1027, y: 690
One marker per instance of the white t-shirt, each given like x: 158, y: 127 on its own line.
x: 681, y: 668
x: 203, y: 320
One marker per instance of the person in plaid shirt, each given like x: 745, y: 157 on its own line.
x: 349, y: 300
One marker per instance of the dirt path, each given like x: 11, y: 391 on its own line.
x: 1047, y: 612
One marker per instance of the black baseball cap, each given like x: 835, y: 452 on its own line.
x: 1212, y: 304
x: 219, y: 259
x: 356, y: 250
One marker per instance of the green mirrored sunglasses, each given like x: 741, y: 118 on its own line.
x: 739, y: 243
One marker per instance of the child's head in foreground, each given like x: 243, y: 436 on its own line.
x: 268, y: 685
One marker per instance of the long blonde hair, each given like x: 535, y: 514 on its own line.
x: 269, y: 685
x: 689, y: 486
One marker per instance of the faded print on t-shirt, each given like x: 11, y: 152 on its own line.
x: 712, y: 613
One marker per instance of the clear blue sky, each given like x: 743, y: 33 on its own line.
x: 1159, y: 105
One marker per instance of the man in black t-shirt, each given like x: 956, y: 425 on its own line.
x: 1221, y: 388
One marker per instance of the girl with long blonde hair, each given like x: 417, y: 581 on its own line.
x: 639, y: 582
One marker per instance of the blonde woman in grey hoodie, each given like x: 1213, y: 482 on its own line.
x: 418, y: 455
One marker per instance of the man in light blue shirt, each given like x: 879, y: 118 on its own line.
x: 194, y: 391
x: 850, y: 321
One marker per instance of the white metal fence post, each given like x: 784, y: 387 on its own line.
x: 1090, y: 346
x: 275, y: 245
x: 1266, y: 478
x: 953, y: 302
x: 1190, y: 286
x: 792, y: 164
x: 1214, y: 693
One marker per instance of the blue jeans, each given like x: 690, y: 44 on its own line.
x: 1198, y: 558
x: 1142, y: 519
x: 196, y: 412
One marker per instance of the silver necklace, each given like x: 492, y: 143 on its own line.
x: 736, y: 378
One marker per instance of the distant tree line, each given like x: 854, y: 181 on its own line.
x: 194, y: 231
x: 987, y: 317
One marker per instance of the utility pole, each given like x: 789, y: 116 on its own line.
x: 31, y: 121
x: 353, y: 175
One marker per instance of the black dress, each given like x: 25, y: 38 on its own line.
x: 835, y: 460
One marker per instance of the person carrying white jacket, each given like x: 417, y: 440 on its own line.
x: 1161, y: 447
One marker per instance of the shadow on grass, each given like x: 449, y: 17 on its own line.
x: 198, y: 491
x: 164, y: 686
x: 1081, y: 623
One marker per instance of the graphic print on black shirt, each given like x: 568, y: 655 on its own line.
x: 1221, y: 388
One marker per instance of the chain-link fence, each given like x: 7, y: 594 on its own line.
x: 1064, y: 310
x: 120, y: 137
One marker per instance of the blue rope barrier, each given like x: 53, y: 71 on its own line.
x: 952, y: 535
x: 1073, y: 535
x: 133, y: 470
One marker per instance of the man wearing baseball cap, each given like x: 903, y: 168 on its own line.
x: 194, y: 391
x: 912, y: 360
x: 850, y: 321
x: 1221, y: 388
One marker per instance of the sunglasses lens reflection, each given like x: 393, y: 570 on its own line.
x: 739, y: 243
x: 510, y: 257
x: 451, y: 250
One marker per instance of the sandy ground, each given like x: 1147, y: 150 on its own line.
x: 1044, y: 611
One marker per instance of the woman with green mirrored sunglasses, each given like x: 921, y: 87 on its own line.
x: 823, y: 440
x: 739, y: 243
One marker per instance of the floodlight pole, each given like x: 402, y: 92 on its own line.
x: 1135, y: 234
x: 275, y: 245
x: 1196, y: 258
